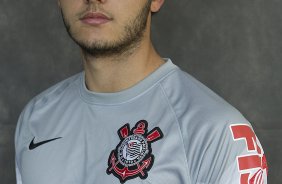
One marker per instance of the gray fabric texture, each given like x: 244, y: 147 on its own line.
x: 197, y: 145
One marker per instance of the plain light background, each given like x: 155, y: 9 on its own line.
x: 232, y: 46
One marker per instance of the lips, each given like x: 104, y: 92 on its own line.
x: 95, y: 19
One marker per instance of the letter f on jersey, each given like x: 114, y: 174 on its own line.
x: 253, y: 166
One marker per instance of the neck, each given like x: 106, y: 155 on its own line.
x: 116, y: 73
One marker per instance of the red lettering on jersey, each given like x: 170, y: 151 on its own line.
x: 255, y: 160
x: 249, y: 162
x: 244, y: 178
x: 245, y: 132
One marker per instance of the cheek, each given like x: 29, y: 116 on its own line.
x: 123, y: 18
x: 71, y: 9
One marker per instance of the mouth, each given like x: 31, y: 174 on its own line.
x: 95, y: 18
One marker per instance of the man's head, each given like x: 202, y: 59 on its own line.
x: 108, y: 27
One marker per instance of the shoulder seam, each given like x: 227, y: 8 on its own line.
x: 41, y: 96
x: 178, y: 125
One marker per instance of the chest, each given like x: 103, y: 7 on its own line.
x: 94, y: 145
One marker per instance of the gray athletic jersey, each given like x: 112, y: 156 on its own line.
x: 167, y: 129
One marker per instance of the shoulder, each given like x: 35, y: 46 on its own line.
x: 201, y: 114
x: 214, y: 132
x: 54, y: 92
x: 193, y: 102
x: 42, y: 100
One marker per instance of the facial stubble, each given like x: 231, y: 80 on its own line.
x: 128, y: 41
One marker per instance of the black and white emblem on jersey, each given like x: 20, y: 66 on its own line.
x: 133, y: 155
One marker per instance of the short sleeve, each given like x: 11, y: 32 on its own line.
x: 229, y: 153
x: 18, y: 175
x: 20, y: 137
x: 17, y: 143
x: 250, y: 166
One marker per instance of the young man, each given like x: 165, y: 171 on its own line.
x: 131, y: 116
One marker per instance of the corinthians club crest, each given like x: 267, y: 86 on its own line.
x: 133, y: 155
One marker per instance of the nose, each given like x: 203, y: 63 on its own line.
x: 95, y: 1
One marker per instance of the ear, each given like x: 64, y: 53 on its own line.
x: 156, y: 5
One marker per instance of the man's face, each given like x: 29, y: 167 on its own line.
x: 106, y: 27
